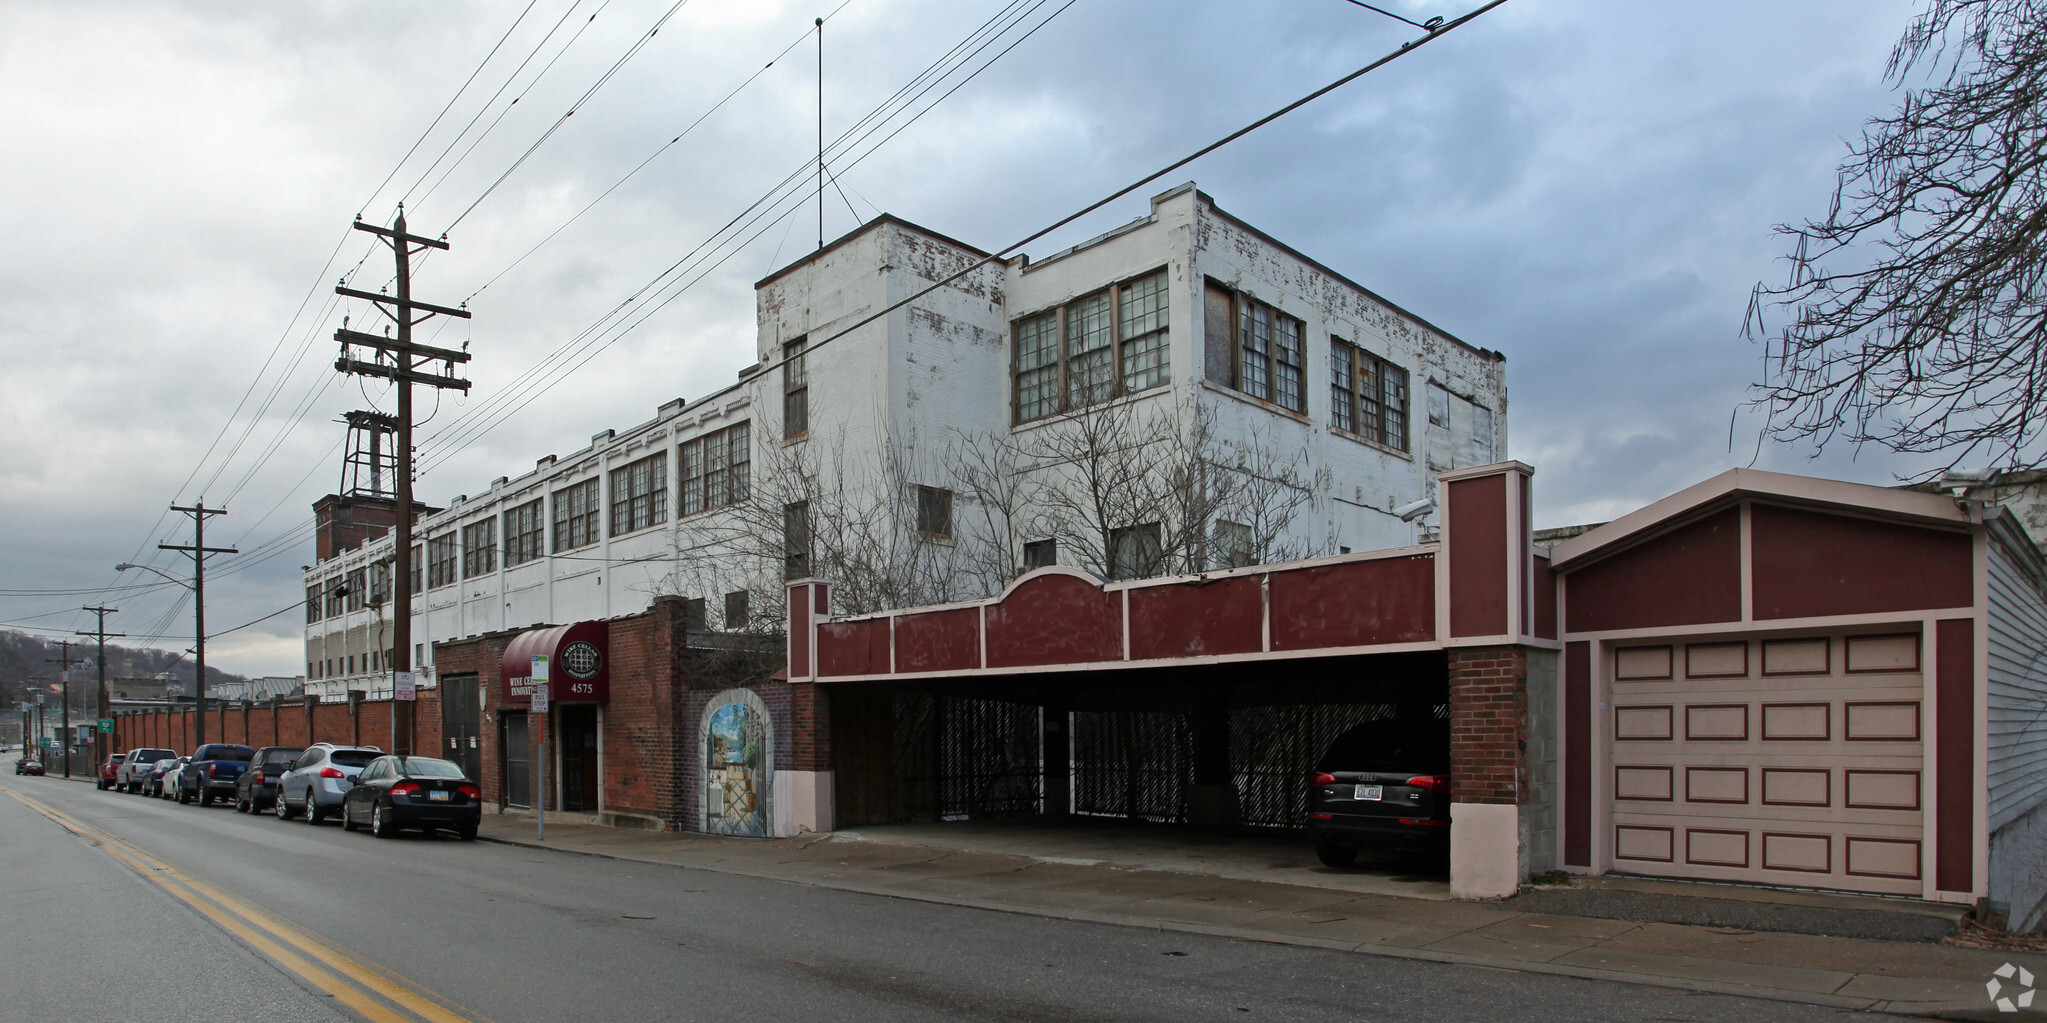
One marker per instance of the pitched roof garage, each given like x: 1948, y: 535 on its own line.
x: 1782, y: 680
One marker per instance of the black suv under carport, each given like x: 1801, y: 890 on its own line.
x: 1382, y: 785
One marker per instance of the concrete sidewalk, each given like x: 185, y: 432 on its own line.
x: 1343, y: 911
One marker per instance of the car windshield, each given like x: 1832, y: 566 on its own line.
x: 148, y: 755
x: 281, y: 757
x: 353, y: 757
x: 242, y: 753
x: 427, y: 767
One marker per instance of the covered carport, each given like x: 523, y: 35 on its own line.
x: 1205, y: 700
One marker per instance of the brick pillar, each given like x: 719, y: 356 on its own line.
x: 1489, y: 771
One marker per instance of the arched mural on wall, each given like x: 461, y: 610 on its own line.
x: 736, y: 739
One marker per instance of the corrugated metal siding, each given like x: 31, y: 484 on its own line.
x: 2018, y: 690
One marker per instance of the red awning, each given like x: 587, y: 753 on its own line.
x: 579, y: 660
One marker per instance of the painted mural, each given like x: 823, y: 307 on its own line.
x: 737, y: 768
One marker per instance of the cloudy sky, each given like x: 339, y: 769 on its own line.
x: 1586, y: 185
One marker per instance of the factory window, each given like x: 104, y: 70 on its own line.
x: 480, y: 548
x: 1368, y: 395
x: 1091, y: 349
x: 440, y: 560
x: 795, y: 390
x: 575, y: 516
x: 525, y: 534
x: 717, y: 469
x: 639, y: 494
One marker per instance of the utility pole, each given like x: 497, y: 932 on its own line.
x: 63, y: 662
x: 820, y: 134
x: 398, y: 360
x: 199, y: 551
x: 100, y: 738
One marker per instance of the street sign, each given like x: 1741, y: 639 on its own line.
x: 106, y: 726
x: 404, y: 686
x: 540, y: 684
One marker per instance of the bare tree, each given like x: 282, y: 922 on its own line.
x: 1917, y: 308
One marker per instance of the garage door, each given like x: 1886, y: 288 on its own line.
x: 1782, y: 761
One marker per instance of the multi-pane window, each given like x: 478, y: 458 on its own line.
x: 313, y: 603
x: 737, y: 609
x: 440, y: 560
x: 1135, y: 552
x: 575, y: 516
x: 1368, y: 395
x: 333, y: 596
x: 1233, y: 545
x: 1040, y: 553
x: 934, y: 513
x: 796, y: 540
x: 795, y: 389
x: 1268, y: 355
x: 1093, y: 348
x: 357, y: 582
x: 639, y: 494
x: 717, y: 469
x: 380, y: 582
x: 525, y: 534
x: 418, y: 572
x: 480, y: 548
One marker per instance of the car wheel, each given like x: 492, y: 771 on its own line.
x: 1333, y: 855
x: 184, y: 797
x: 205, y: 797
x: 282, y: 807
x: 380, y: 824
x: 467, y: 831
x: 313, y: 812
x: 347, y: 819
x: 241, y: 805
x: 102, y: 783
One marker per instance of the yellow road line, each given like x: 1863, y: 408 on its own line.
x: 223, y: 910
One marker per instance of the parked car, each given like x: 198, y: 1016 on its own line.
x: 413, y: 792
x: 211, y: 774
x: 134, y: 769
x: 153, y: 784
x: 256, y: 789
x: 27, y: 766
x: 1382, y: 785
x: 319, y: 778
x: 167, y: 786
x: 109, y: 770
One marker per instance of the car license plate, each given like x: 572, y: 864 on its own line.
x: 440, y: 795
x: 1370, y: 792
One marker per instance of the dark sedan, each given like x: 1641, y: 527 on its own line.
x: 1382, y: 785
x: 413, y: 792
x: 256, y: 789
x: 27, y: 766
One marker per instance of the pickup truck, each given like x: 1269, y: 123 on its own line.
x: 213, y: 771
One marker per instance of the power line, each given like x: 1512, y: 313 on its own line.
x: 578, y: 349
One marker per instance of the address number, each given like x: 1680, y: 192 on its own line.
x: 583, y: 688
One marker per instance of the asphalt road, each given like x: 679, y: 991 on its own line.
x: 135, y: 921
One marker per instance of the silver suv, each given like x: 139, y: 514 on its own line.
x: 319, y: 778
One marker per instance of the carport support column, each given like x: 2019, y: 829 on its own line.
x: 1488, y: 771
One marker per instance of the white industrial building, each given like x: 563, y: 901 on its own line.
x: 1182, y: 393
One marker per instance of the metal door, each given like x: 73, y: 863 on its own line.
x: 461, y: 720
x: 515, y: 765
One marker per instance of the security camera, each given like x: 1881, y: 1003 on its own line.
x: 1415, y: 509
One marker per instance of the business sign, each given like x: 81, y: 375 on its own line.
x: 578, y: 664
x: 404, y: 686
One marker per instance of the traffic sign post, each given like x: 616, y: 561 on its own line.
x: 404, y: 686
x: 106, y: 726
x: 539, y: 709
